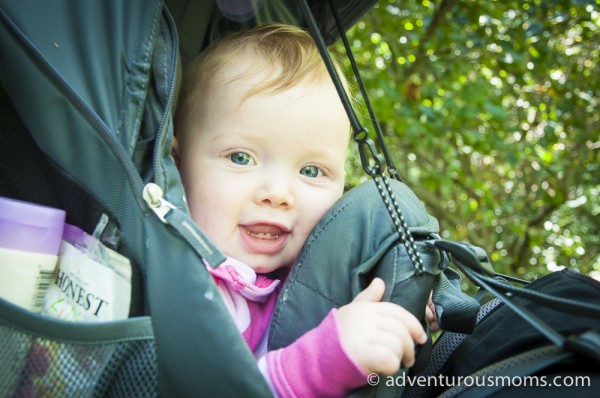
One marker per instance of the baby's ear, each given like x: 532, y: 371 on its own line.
x: 175, y: 151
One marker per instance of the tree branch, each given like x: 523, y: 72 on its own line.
x: 438, y: 18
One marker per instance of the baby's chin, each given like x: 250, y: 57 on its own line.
x: 280, y: 273
x: 264, y: 263
x: 260, y: 266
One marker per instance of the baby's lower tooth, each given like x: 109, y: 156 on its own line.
x: 262, y: 235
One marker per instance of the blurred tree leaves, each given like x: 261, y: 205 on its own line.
x: 490, y: 109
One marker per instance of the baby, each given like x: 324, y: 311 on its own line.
x: 261, y: 143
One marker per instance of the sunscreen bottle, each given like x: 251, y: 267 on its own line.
x: 30, y: 238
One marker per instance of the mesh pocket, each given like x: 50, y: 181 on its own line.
x: 32, y: 365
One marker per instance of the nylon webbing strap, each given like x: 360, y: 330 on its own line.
x: 371, y: 160
x: 466, y: 261
x: 455, y: 310
x: 480, y: 270
x: 391, y: 168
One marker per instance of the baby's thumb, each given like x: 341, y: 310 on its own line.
x: 373, y: 292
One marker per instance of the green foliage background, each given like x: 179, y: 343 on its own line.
x: 490, y: 109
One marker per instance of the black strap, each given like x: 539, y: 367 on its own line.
x: 370, y: 158
x: 456, y: 311
x: 470, y: 261
x: 320, y: 42
x: 372, y: 161
x: 391, y: 168
x: 467, y: 258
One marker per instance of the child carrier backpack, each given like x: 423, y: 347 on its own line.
x: 87, y: 90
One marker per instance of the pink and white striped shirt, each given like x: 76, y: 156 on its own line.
x: 315, y: 365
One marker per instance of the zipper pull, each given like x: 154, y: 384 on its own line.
x: 153, y: 195
x: 169, y: 214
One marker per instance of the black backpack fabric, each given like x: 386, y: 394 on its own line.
x: 503, y: 322
x: 503, y: 343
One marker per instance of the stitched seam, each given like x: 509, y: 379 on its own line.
x: 313, y: 238
x: 278, y: 309
x: 318, y: 293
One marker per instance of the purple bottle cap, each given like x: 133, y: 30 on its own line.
x: 30, y: 227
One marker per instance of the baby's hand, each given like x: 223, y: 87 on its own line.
x: 379, y: 336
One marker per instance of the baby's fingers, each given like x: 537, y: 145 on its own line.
x: 389, y: 350
x: 403, y: 319
x: 372, y: 293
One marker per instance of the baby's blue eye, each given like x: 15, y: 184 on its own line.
x: 310, y: 171
x: 241, y: 158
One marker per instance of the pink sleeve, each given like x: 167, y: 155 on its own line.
x: 315, y: 365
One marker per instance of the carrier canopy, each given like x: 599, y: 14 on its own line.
x: 202, y: 22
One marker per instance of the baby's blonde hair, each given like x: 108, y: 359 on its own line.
x: 289, y: 51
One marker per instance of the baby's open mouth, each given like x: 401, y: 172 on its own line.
x: 264, y: 238
x: 264, y: 231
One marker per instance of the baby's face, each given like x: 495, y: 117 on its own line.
x: 259, y: 174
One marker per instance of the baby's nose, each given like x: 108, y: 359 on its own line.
x: 276, y: 191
